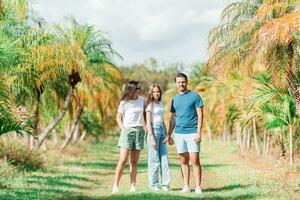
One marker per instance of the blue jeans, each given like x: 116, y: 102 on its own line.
x: 158, y: 159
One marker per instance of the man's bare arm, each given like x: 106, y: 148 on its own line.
x: 171, y: 128
x: 200, y: 123
x: 171, y: 124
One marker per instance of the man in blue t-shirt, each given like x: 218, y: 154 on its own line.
x: 187, y: 118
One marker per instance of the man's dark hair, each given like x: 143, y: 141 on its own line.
x: 182, y: 75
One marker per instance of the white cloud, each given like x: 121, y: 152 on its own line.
x: 169, y: 30
x: 207, y: 16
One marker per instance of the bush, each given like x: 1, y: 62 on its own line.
x: 18, y: 155
x: 7, y: 174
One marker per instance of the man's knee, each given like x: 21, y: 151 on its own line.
x: 196, y: 162
x: 184, y: 158
x: 195, y: 159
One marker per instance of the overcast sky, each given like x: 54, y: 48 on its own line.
x: 168, y: 30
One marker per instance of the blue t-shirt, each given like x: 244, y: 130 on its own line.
x: 184, y: 106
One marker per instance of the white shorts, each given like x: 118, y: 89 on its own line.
x: 186, y: 143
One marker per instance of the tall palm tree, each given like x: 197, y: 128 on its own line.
x: 81, y: 48
x: 255, y: 31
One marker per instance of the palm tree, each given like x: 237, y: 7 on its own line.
x: 8, y: 58
x: 8, y: 121
x: 81, y: 48
x: 277, y: 108
x: 253, y: 32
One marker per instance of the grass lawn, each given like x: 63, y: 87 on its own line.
x: 87, y: 171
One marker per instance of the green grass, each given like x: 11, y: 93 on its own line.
x: 87, y: 172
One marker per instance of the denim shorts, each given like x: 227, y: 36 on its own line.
x: 185, y: 143
x: 132, y: 138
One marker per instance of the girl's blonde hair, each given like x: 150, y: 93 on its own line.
x: 150, y: 98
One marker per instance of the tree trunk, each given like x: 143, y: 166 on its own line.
x: 76, y: 134
x: 82, y: 136
x: 57, y: 119
x: 36, y: 113
x: 239, y: 137
x: 248, y: 139
x: 55, y: 137
x: 227, y: 134
x: 68, y: 136
x: 245, y: 137
x: 224, y: 133
x: 255, y: 136
x: 238, y: 133
x: 29, y: 141
x: 291, y: 78
x: 68, y: 132
x: 291, y: 144
x: 44, y: 145
x: 209, y: 134
x: 282, y: 147
x: 268, y: 144
x: 75, y: 123
x: 265, y: 142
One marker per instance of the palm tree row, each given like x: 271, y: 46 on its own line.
x: 55, y: 69
x: 253, y: 74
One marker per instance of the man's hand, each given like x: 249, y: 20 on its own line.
x: 197, y: 138
x: 171, y: 128
x: 169, y: 140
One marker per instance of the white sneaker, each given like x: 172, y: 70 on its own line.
x: 165, y: 189
x: 132, y: 189
x: 198, y: 190
x: 186, y: 189
x: 115, y: 190
x: 154, y: 189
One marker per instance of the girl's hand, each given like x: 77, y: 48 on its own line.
x: 169, y: 140
x: 153, y: 142
x: 166, y: 140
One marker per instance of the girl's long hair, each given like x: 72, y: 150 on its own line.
x: 150, y: 98
x: 129, y: 90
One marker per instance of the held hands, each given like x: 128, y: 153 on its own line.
x: 168, y: 139
x: 197, y: 138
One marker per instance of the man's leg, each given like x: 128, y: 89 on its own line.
x: 184, y: 158
x: 195, y: 159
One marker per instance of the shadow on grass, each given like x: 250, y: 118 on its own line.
x: 62, y: 195
x: 58, y: 181
x: 141, y: 165
x: 34, y: 193
x: 219, y: 189
x: 96, y: 164
x: 212, y: 166
x: 160, y: 196
x: 225, y: 188
x: 83, y: 172
x: 47, y: 187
